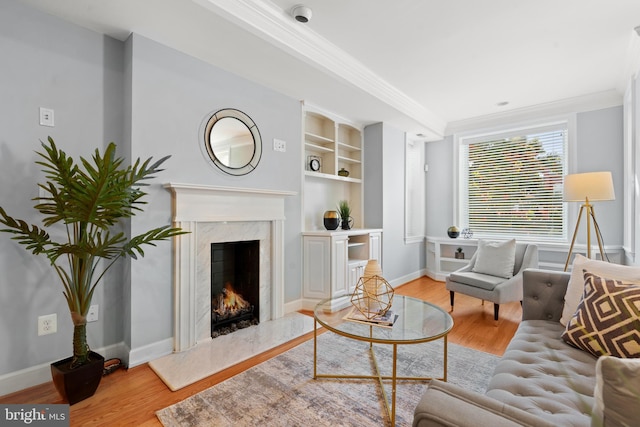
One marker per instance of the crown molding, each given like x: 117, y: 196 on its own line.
x: 269, y: 22
x: 590, y: 102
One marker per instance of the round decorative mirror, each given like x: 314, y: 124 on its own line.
x: 232, y: 141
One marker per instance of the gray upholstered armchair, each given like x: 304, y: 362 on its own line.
x: 498, y: 287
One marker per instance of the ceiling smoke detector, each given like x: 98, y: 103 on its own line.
x: 301, y: 13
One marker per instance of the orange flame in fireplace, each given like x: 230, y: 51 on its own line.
x: 231, y: 301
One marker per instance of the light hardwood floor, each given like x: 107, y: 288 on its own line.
x: 131, y: 397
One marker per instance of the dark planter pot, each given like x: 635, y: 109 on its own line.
x: 79, y: 383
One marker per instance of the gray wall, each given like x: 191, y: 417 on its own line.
x: 439, y: 186
x: 384, y: 201
x: 599, y: 147
x: 78, y: 73
x: 373, y: 176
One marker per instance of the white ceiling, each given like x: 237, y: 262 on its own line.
x: 422, y: 65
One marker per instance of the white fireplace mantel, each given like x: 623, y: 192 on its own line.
x: 198, y: 204
x: 204, y: 203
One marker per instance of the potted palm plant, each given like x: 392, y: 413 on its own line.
x: 88, y: 200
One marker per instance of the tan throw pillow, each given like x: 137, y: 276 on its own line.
x: 496, y: 258
x: 576, y: 282
x: 617, y: 392
x: 607, y: 321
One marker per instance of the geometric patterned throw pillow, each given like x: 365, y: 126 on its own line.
x: 607, y: 321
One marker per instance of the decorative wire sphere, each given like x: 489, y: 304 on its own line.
x: 373, y: 296
x: 467, y: 233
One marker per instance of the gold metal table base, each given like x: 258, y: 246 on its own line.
x: 391, y: 407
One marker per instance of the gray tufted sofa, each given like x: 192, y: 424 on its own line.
x: 540, y: 380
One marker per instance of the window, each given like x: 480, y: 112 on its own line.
x: 511, y: 182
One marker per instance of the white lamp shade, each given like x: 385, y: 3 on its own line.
x: 595, y: 186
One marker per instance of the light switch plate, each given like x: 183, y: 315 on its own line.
x: 92, y: 315
x: 279, y: 145
x: 46, y: 117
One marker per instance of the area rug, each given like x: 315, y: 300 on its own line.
x: 282, y: 391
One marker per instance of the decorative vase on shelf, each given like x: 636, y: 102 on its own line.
x: 453, y: 232
x: 343, y: 172
x: 347, y: 223
x: 331, y: 220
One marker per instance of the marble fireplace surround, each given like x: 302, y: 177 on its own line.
x: 221, y: 214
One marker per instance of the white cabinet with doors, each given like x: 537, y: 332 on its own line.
x: 335, y: 260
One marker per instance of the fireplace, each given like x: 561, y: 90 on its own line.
x: 222, y: 214
x: 235, y: 286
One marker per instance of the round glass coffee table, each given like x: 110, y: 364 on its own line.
x: 417, y: 322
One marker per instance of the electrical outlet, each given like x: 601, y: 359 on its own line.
x: 92, y: 315
x: 47, y: 324
x: 279, y: 145
x: 46, y: 117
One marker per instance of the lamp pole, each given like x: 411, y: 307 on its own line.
x: 588, y: 208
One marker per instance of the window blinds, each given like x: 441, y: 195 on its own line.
x: 512, y: 186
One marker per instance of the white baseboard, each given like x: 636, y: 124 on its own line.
x: 407, y: 278
x: 309, y: 303
x: 25, y: 378
x: 150, y: 352
x: 431, y: 274
x: 293, y: 306
x: 40, y: 374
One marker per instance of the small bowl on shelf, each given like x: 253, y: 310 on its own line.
x: 343, y: 172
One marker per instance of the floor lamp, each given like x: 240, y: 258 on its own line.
x: 587, y: 188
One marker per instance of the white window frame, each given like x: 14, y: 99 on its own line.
x: 510, y: 130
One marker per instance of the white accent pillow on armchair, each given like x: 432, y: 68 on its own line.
x: 496, y: 258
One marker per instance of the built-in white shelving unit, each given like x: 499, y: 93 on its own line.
x: 441, y: 260
x: 337, y: 144
x: 334, y: 260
